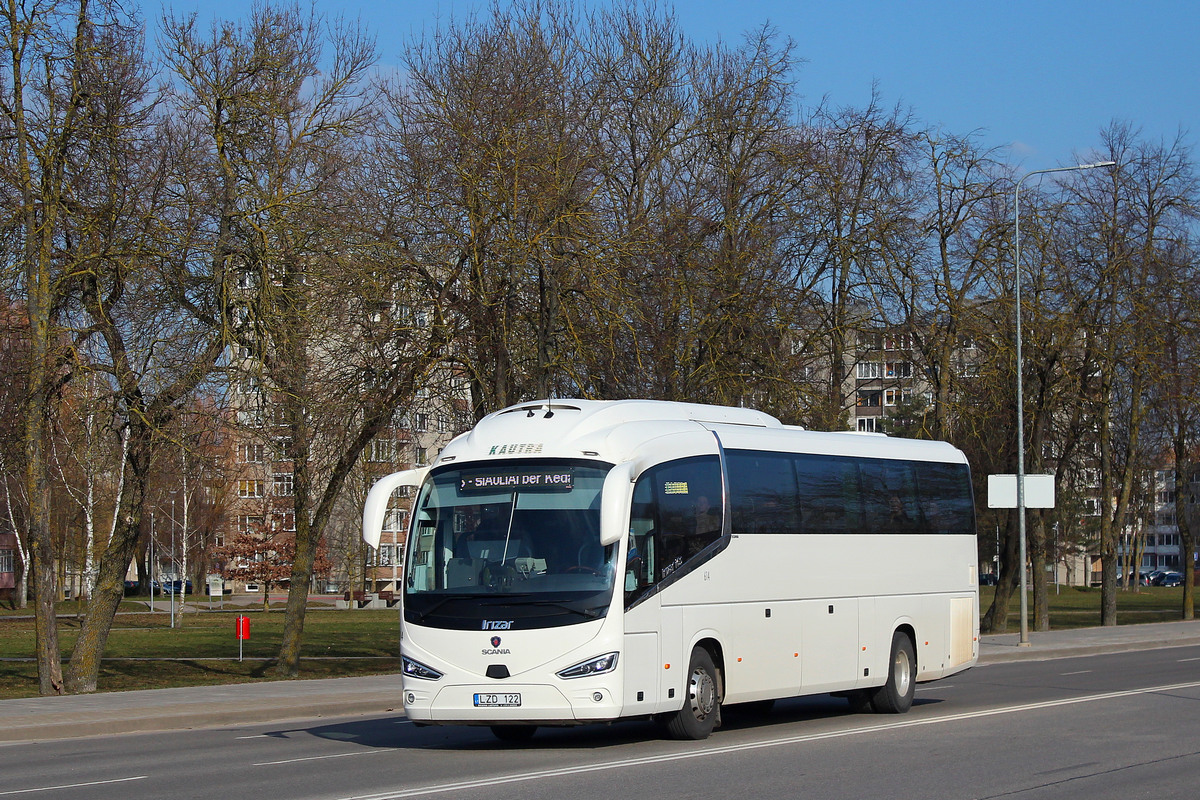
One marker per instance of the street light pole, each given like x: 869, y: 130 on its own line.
x: 1024, y: 642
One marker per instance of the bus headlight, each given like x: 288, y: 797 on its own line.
x: 415, y: 669
x: 593, y: 666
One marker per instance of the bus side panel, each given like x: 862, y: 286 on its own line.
x: 673, y: 661
x: 871, y: 657
x: 762, y: 653
x: 962, y: 634
x: 640, y: 669
x: 831, y: 644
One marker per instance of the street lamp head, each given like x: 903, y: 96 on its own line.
x: 1097, y: 164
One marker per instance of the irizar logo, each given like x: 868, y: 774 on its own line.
x: 497, y: 624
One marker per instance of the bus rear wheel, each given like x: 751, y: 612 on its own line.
x: 514, y: 733
x: 702, y: 703
x: 896, y: 696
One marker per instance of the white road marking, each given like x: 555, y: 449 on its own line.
x: 318, y: 758
x: 1080, y: 672
x: 495, y: 780
x: 73, y: 785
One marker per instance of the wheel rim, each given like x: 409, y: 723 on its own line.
x: 703, y: 694
x: 903, y: 672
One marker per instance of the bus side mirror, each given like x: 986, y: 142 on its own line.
x: 375, y: 507
x: 614, y: 503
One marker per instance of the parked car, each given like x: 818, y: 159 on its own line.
x: 1169, y: 579
x: 171, y: 587
x: 988, y: 579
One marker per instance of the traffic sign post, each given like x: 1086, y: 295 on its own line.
x: 243, y: 633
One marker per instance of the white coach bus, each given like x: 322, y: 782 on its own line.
x: 578, y: 561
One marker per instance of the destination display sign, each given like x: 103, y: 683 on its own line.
x: 523, y: 480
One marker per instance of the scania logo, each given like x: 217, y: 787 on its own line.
x: 495, y: 649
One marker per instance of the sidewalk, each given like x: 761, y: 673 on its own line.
x: 42, y: 718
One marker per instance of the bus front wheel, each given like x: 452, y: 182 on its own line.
x: 702, y: 702
x: 896, y: 696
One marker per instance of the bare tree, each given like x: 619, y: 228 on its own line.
x: 43, y: 101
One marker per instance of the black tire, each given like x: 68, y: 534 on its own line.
x: 514, y: 733
x: 701, y: 701
x: 896, y: 696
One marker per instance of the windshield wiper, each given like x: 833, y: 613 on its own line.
x: 592, y: 612
x: 438, y: 604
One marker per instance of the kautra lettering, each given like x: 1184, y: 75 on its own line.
x: 516, y: 449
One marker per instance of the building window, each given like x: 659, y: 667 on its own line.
x: 283, y: 484
x: 421, y: 422
x: 249, y: 523
x: 249, y: 453
x: 7, y: 562
x: 394, y: 519
x: 381, y: 450
x: 421, y: 457
x: 871, y: 399
x: 869, y: 425
x: 249, y: 418
x: 286, y: 521
x: 868, y: 370
x: 250, y: 488
x: 898, y: 341
x: 898, y: 369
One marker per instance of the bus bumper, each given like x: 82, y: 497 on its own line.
x: 574, y: 703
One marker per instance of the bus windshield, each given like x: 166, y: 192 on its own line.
x: 514, y: 542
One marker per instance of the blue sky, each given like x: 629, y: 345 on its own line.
x: 1040, y: 79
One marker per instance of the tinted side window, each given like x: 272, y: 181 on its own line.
x: 945, y: 497
x: 676, y: 514
x: 762, y: 488
x: 807, y: 493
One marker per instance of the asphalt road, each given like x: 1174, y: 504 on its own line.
x: 1122, y: 725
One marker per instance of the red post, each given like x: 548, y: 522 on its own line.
x: 242, y: 630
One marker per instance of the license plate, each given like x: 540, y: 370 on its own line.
x: 497, y: 700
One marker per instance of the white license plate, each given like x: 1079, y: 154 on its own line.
x: 497, y: 700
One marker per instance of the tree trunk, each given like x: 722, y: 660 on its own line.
x: 1008, y: 580
x: 84, y: 669
x: 1038, y: 563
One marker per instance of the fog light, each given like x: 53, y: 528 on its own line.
x: 597, y: 696
x: 412, y: 698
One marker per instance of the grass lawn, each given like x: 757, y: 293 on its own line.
x: 144, y: 652
x: 1079, y: 607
